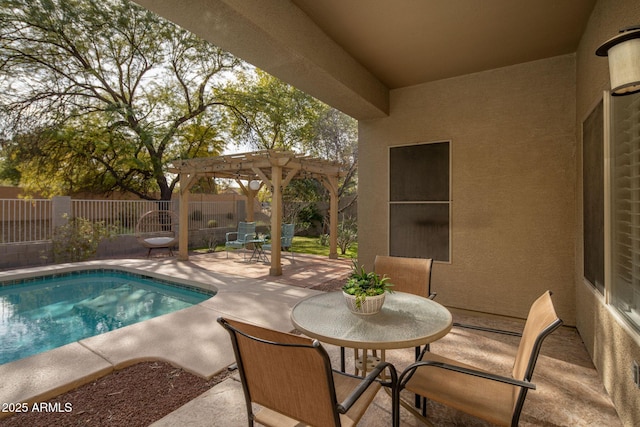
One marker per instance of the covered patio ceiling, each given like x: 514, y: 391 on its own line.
x: 352, y: 54
x: 275, y: 169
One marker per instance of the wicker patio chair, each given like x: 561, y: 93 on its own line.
x: 494, y: 398
x: 290, y: 376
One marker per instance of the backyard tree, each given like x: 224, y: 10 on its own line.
x: 269, y: 114
x: 101, y: 95
x: 335, y: 137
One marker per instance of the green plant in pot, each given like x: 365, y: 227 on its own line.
x: 362, y: 285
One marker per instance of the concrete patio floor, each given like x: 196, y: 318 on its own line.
x: 569, y: 392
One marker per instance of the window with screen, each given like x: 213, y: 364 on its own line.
x: 593, y: 196
x: 419, y: 201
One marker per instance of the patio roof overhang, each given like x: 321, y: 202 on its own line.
x: 275, y: 169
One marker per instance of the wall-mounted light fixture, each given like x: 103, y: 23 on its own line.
x: 254, y: 185
x: 623, y: 51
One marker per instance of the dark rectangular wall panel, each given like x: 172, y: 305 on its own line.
x: 420, y: 230
x: 593, y: 196
x: 420, y: 172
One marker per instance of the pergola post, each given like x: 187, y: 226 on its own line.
x: 183, y: 218
x: 331, y: 184
x: 275, y: 168
x: 276, y: 220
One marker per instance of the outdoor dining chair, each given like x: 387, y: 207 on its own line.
x: 238, y: 239
x: 495, y: 398
x: 290, y: 376
x: 410, y: 275
x: 286, y: 239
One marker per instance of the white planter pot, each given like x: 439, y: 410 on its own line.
x: 371, y: 305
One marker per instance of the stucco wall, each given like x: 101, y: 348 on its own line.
x: 613, y: 345
x: 512, y: 133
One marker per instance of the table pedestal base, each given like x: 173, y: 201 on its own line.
x: 372, y: 360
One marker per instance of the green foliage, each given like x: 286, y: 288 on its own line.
x: 347, y: 233
x: 362, y: 284
x: 308, y: 215
x: 323, y: 240
x: 78, y: 240
x: 101, y: 95
x: 270, y: 114
x: 299, y: 203
x: 312, y: 246
x: 335, y: 137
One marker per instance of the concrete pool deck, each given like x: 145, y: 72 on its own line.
x: 569, y: 390
x: 189, y: 338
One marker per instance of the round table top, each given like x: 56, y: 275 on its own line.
x: 406, y: 320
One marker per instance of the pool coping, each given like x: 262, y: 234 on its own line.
x: 189, y: 338
x: 128, y: 273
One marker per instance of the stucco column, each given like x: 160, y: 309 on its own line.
x: 61, y: 211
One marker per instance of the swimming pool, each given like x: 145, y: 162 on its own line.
x: 43, y: 313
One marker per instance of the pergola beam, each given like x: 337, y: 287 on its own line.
x: 276, y: 169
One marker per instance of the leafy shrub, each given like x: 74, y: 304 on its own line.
x: 347, y: 234
x: 323, y: 240
x: 78, y: 239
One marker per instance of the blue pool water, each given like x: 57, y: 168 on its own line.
x: 40, y: 314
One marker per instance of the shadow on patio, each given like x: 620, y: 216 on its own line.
x: 305, y: 271
x: 569, y: 391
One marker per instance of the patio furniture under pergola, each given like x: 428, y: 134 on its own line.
x: 274, y: 168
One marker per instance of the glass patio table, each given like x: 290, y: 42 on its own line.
x: 405, y: 321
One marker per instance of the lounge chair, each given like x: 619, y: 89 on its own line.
x: 158, y: 229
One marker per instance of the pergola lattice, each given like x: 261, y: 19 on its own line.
x: 273, y: 168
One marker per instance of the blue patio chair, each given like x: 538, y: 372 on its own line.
x: 286, y: 238
x: 238, y: 239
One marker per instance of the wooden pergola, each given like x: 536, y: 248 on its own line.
x: 273, y: 168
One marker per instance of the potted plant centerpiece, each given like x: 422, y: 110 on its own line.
x: 364, y: 291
